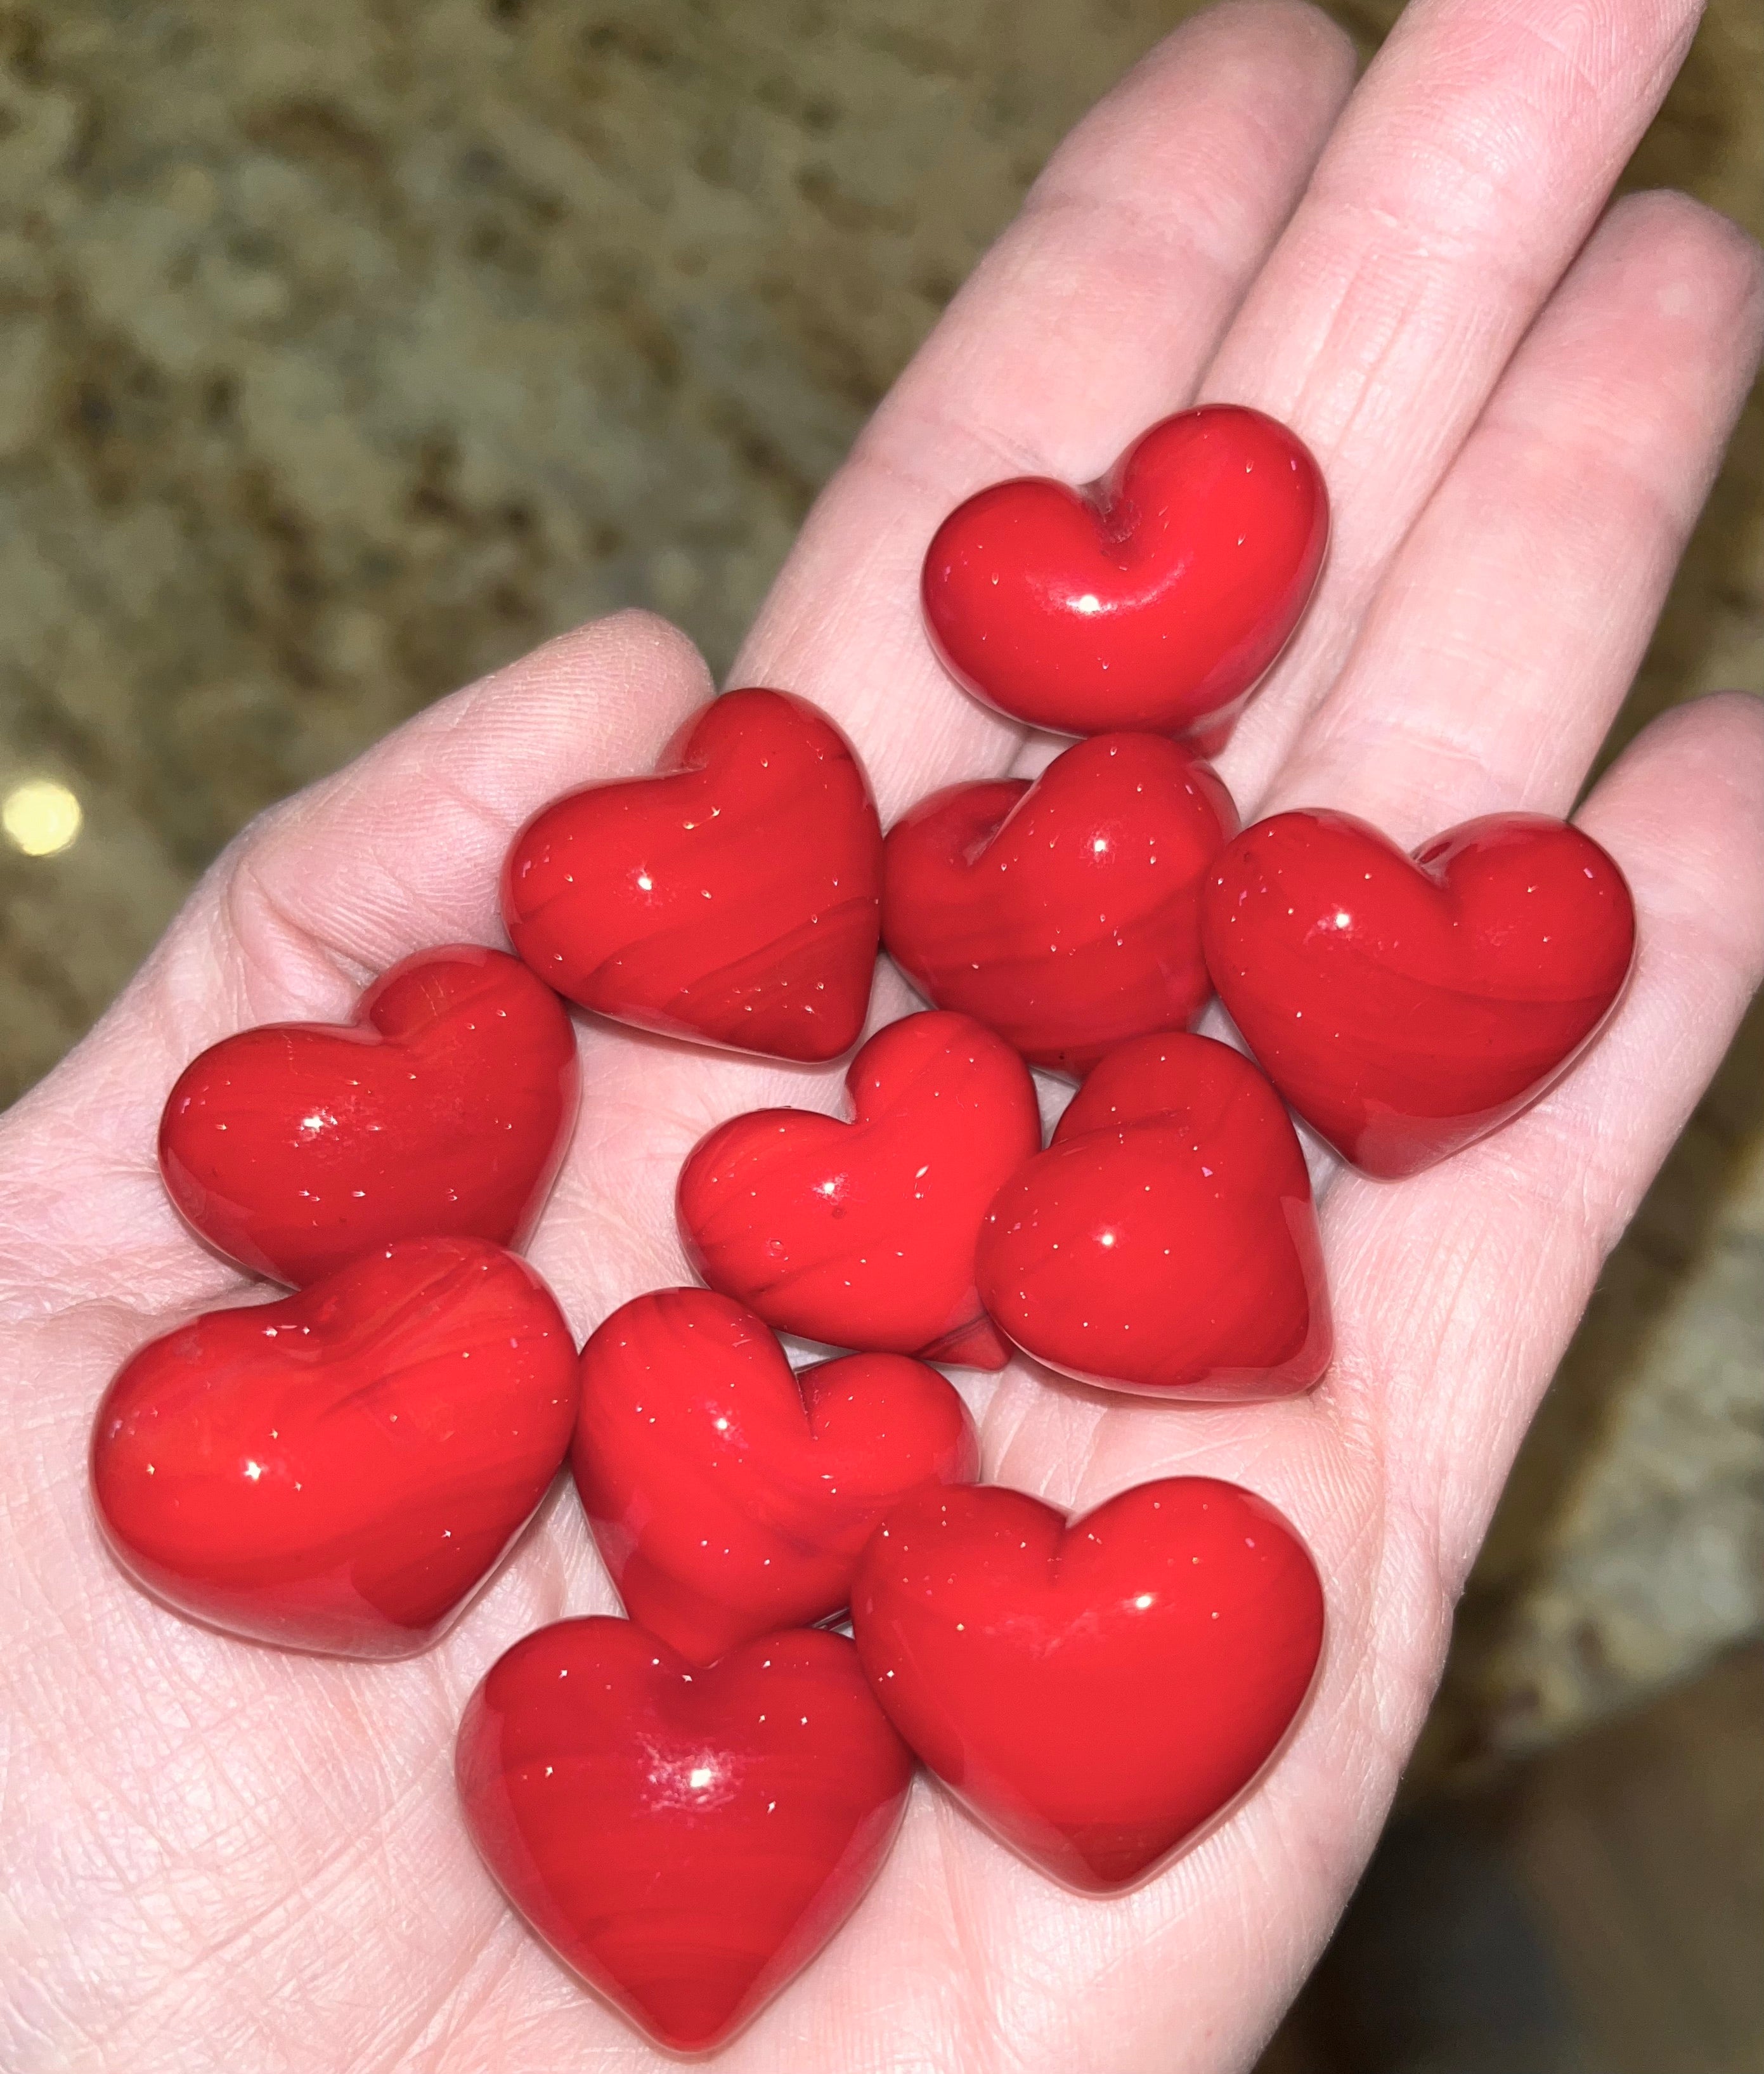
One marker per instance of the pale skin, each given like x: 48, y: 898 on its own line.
x: 218, y: 1856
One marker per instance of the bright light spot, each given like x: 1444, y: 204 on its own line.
x: 1143, y: 1601
x: 700, y: 1777
x: 1088, y: 604
x: 40, y: 817
x: 1343, y: 919
x: 1108, y: 1239
x: 645, y: 882
x: 254, y: 1470
x: 1099, y: 843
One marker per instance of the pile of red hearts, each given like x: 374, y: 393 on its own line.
x: 685, y: 1805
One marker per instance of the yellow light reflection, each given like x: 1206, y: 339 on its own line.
x: 40, y: 817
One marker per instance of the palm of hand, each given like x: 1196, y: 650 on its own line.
x: 219, y: 1856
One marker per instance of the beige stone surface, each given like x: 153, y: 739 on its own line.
x: 347, y: 350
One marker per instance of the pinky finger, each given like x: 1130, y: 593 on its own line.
x: 1528, y: 1217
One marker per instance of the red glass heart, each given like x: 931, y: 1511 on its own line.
x: 342, y: 1469
x: 445, y: 1108
x: 1406, y: 1007
x: 1153, y: 599
x: 1165, y: 1242
x: 686, y: 1839
x: 732, y: 898
x: 730, y: 1498
x: 862, y: 1234
x: 1097, y: 1690
x: 1064, y: 913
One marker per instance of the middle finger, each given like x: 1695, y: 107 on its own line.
x: 1092, y: 315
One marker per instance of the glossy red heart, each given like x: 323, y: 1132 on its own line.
x: 1153, y: 599
x: 862, y: 1234
x: 685, y: 1840
x: 445, y: 1108
x: 1406, y: 1007
x: 730, y: 1498
x: 1165, y: 1242
x: 1095, y: 1691
x: 732, y: 898
x: 342, y: 1469
x: 1064, y: 913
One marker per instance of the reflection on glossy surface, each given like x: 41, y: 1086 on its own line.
x: 444, y: 1107
x: 732, y: 898
x: 341, y: 1470
x: 1153, y: 599
x: 1096, y: 1692
x: 728, y: 1497
x: 1407, y: 1007
x: 1063, y: 913
x: 1165, y: 1242
x: 685, y: 1840
x: 862, y: 1234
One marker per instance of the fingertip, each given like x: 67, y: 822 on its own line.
x: 1711, y: 268
x: 1731, y: 718
x: 1284, y: 59
x: 1317, y: 43
x: 1671, y: 212
x: 1712, y: 745
x: 404, y: 846
x: 631, y: 650
x: 1309, y: 63
x: 597, y: 701
x: 1681, y: 810
x: 1309, y: 46
x: 657, y: 642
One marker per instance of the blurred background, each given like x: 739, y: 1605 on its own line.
x: 348, y: 350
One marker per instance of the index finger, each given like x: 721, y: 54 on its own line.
x: 1092, y: 315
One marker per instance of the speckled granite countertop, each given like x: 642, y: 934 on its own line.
x: 350, y: 350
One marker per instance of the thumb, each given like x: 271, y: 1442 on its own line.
x: 401, y: 849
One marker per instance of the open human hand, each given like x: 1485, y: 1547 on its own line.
x: 221, y: 1856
